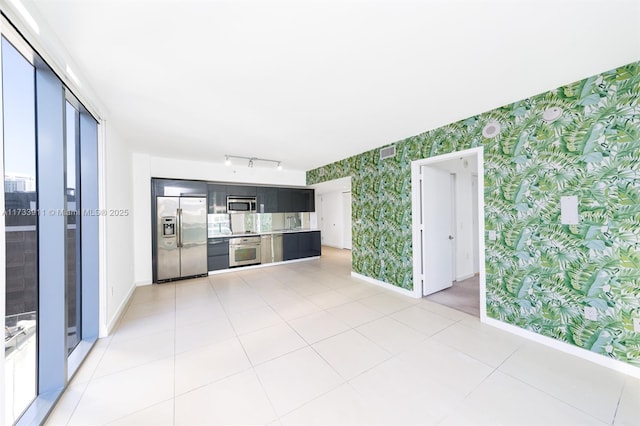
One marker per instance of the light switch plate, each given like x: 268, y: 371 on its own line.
x: 569, y: 210
x: 493, y: 235
x: 636, y: 325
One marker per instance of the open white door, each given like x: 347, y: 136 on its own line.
x: 437, y: 235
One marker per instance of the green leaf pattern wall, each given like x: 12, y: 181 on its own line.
x: 540, y: 274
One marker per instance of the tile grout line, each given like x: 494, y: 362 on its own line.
x: 615, y: 413
x: 562, y: 401
x: 175, y: 346
x: 252, y: 366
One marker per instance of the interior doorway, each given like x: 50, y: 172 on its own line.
x: 448, y: 219
x: 333, y: 212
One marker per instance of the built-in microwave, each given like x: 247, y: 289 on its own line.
x: 241, y: 204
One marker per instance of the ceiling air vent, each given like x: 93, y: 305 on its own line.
x: 388, y: 152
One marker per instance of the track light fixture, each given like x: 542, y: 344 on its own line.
x: 252, y: 160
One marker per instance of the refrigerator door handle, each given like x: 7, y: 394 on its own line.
x: 179, y: 217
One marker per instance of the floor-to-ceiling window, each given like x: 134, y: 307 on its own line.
x: 73, y: 209
x: 21, y: 268
x: 50, y: 159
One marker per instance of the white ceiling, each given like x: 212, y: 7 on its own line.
x: 311, y: 82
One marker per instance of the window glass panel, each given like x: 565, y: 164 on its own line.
x: 72, y: 238
x: 18, y: 101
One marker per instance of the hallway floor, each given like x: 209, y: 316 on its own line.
x: 462, y: 296
x: 305, y: 343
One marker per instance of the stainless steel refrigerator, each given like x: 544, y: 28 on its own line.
x: 181, y: 237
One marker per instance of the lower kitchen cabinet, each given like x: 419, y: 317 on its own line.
x: 299, y: 245
x: 295, y: 245
x: 218, y: 254
x: 215, y: 263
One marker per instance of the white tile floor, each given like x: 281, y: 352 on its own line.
x: 304, y: 344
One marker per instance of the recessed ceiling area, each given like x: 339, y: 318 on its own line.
x: 312, y: 82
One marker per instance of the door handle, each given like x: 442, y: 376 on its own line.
x: 179, y: 220
x: 451, y: 237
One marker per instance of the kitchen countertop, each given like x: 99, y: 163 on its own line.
x: 256, y: 234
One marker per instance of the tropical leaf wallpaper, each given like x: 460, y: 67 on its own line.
x: 540, y: 274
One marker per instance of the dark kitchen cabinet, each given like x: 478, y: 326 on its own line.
x: 311, y: 200
x: 218, y: 254
x: 298, y: 245
x: 290, y: 244
x: 178, y: 188
x: 267, y: 199
x: 241, y: 191
x: 303, y: 200
x: 296, y: 200
x: 284, y: 200
x: 217, y: 198
x: 310, y: 244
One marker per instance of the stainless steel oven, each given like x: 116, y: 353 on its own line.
x: 244, y: 251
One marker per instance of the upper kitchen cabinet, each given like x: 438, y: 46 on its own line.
x: 178, y: 188
x: 284, y: 200
x: 303, y: 200
x: 267, y: 199
x: 217, y: 198
x: 240, y: 190
x: 296, y: 200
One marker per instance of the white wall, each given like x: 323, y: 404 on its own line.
x: 146, y: 166
x: 142, y: 218
x: 119, y: 253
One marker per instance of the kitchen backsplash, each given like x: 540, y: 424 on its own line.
x: 241, y: 223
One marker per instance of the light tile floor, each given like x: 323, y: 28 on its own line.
x: 306, y: 344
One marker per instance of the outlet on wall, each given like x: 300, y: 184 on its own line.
x: 590, y: 313
x: 636, y: 325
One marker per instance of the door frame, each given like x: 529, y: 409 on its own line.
x: 347, y: 227
x: 416, y: 210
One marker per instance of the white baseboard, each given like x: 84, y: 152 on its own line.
x: 383, y: 284
x: 613, y: 364
x: 121, y: 309
x: 464, y: 277
x: 143, y: 283
x: 331, y: 245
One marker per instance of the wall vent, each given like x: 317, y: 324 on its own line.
x: 388, y: 152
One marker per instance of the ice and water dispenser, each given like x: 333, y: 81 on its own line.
x: 168, y: 226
